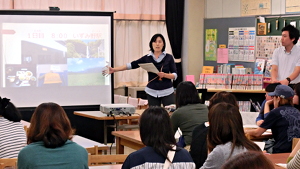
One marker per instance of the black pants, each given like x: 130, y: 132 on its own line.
x: 157, y: 101
x: 292, y: 85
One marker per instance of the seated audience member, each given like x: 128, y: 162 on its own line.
x: 294, y: 158
x: 189, y: 113
x: 261, y: 116
x: 249, y: 160
x: 198, y: 148
x: 12, y: 134
x: 283, y: 120
x: 157, y: 134
x: 226, y: 136
x: 296, y: 96
x: 49, y: 144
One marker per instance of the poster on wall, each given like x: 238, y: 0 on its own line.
x: 255, y: 7
x: 211, y: 44
x: 241, y: 44
x: 292, y: 6
x: 265, y: 45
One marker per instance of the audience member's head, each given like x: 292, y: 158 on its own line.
x: 222, y: 96
x: 283, y: 95
x: 186, y: 93
x: 156, y: 130
x: 50, y: 124
x: 249, y: 160
x: 297, y: 93
x: 270, y: 88
x: 9, y: 111
x: 226, y: 125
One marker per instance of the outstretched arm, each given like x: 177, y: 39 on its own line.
x: 111, y: 70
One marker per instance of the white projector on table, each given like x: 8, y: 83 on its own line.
x: 117, y: 109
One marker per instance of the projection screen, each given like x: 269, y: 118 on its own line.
x: 56, y: 56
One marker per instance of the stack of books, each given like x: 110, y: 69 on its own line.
x: 229, y: 81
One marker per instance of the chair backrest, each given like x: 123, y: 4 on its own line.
x: 106, y: 159
x: 294, y: 142
x: 8, y: 162
x: 123, y: 99
x: 116, y: 98
x: 92, y: 150
x: 133, y: 101
x: 143, y: 103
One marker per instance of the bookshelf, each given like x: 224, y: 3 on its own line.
x: 235, y: 91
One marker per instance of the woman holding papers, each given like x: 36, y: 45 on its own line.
x: 159, y: 88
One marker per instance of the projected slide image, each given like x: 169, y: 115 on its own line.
x: 85, y: 48
x: 85, y: 71
x: 43, y: 52
x: 52, y: 75
x: 19, y: 76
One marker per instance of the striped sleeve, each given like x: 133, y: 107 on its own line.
x: 295, y: 162
x: 13, y: 138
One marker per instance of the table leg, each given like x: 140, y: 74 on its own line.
x: 105, y: 132
x: 119, y: 147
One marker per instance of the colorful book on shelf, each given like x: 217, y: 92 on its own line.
x: 207, y: 69
x: 259, y: 66
x: 268, y: 69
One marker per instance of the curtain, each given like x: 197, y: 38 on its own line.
x: 6, y: 4
x: 174, y: 23
x: 136, y: 21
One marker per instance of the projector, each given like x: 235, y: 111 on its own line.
x: 117, y: 109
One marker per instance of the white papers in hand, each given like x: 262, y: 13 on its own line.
x: 149, y: 67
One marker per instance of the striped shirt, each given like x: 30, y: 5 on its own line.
x: 295, y: 162
x: 12, y: 138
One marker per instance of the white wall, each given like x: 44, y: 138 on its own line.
x: 192, y: 49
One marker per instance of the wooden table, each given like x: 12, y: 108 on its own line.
x: 98, y: 115
x: 113, y: 166
x: 264, y: 136
x: 130, y: 139
x: 87, y: 143
x: 278, y: 158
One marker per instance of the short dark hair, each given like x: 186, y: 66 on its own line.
x: 271, y: 87
x: 156, y: 130
x: 11, y: 113
x: 50, y: 124
x: 223, y: 96
x: 186, y: 93
x: 153, y: 39
x: 293, y: 32
x: 226, y: 125
x: 249, y: 160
